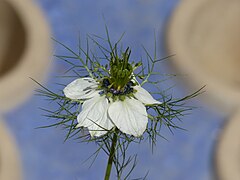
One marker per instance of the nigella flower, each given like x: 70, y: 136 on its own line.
x: 109, y: 101
x: 116, y: 100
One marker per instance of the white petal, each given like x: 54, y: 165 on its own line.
x: 130, y: 116
x: 94, y: 116
x: 82, y: 88
x: 144, y: 96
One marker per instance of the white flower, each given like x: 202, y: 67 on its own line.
x: 100, y: 114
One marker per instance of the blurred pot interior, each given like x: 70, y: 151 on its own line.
x: 13, y: 38
x: 25, y: 51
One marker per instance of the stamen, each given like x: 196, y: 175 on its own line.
x: 106, y: 82
x: 114, y: 91
x: 101, y: 92
x: 130, y: 83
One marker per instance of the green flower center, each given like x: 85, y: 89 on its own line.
x: 120, y: 82
x: 120, y: 70
x: 115, y: 94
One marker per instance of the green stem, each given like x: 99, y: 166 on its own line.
x: 111, y: 157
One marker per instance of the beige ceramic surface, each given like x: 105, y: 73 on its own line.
x: 24, y: 50
x: 204, y: 35
x: 228, y: 151
x: 10, y: 168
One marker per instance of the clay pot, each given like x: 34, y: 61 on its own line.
x: 10, y: 168
x: 204, y: 35
x: 228, y: 150
x: 24, y: 50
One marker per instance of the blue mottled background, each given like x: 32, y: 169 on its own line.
x: 187, y: 155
